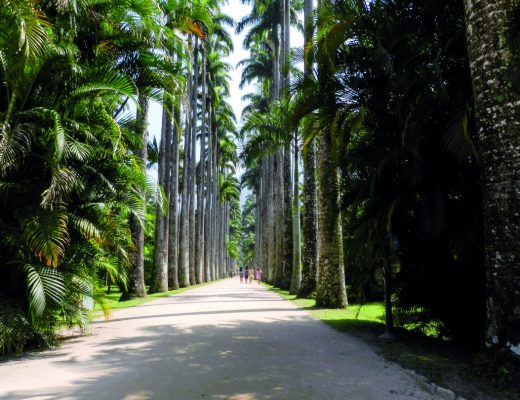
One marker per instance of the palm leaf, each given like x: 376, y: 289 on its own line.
x: 45, y: 286
x: 46, y: 234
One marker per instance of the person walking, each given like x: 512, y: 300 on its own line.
x: 258, y: 275
x: 251, y: 275
x: 246, y: 274
x: 241, y: 274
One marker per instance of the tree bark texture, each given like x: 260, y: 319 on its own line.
x: 193, y: 162
x: 296, y: 276
x: 287, y: 244
x: 310, y: 209
x: 136, y: 285
x: 208, y: 262
x: 160, y: 271
x: 331, y: 290
x: 173, y: 218
x: 199, y: 240
x: 498, y: 123
x: 184, y: 248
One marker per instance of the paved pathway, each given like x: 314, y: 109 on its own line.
x: 221, y: 341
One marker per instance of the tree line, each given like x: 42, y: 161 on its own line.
x: 405, y: 116
x: 78, y: 208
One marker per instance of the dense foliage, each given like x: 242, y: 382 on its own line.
x: 73, y: 184
x: 387, y: 98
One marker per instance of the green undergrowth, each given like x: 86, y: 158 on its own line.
x: 470, y: 374
x: 359, y: 317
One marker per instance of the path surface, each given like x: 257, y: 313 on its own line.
x: 221, y: 341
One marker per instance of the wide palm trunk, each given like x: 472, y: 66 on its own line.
x: 331, y: 290
x: 498, y: 123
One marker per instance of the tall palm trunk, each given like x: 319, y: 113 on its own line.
x: 199, y: 240
x: 193, y: 162
x: 216, y: 208
x: 136, y: 285
x: 498, y: 115
x: 160, y: 270
x: 279, y: 212
x: 184, y: 248
x: 173, y: 234
x: 271, y: 226
x: 296, y: 276
x: 208, y: 239
x: 331, y: 291
x: 310, y: 210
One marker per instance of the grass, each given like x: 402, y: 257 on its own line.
x: 472, y: 375
x: 113, y: 303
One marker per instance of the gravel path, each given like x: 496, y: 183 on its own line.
x: 220, y: 341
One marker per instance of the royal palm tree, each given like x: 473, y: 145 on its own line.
x: 493, y: 61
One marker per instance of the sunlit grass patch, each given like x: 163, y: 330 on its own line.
x: 113, y: 303
x: 356, y: 316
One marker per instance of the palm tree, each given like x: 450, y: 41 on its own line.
x: 67, y: 180
x: 497, y: 109
x: 310, y: 210
x: 330, y: 285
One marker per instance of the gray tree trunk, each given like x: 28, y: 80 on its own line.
x: 498, y: 123
x: 331, y: 290
x: 296, y: 276
x: 199, y: 240
x: 160, y: 271
x: 208, y: 262
x: 279, y: 212
x: 184, y: 248
x: 173, y: 234
x: 193, y: 162
x: 136, y: 285
x: 310, y: 210
x: 270, y: 231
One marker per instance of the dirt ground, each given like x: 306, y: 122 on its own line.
x: 220, y: 341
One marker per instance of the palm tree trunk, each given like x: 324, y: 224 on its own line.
x: 497, y: 109
x: 270, y: 231
x: 160, y: 270
x: 184, y: 249
x: 214, y: 230
x: 173, y: 234
x: 136, y: 284
x: 208, y: 262
x: 193, y: 161
x: 296, y: 276
x: 331, y: 290
x: 199, y: 240
x: 310, y: 210
x: 279, y: 219
x: 287, y: 262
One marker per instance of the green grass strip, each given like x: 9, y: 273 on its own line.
x: 362, y: 317
x: 113, y: 303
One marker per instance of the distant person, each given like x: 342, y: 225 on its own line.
x: 246, y: 274
x: 258, y: 275
x: 241, y: 274
x: 251, y: 275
